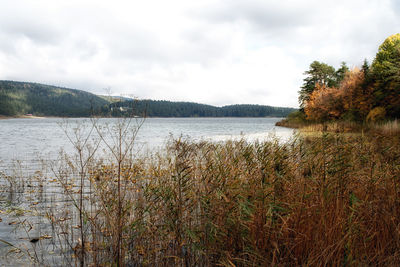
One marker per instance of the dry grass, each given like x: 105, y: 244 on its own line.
x: 329, y: 200
x: 333, y: 127
x: 390, y: 127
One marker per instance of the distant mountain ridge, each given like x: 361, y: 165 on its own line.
x: 18, y: 98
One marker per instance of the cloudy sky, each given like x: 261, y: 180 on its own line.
x: 216, y: 52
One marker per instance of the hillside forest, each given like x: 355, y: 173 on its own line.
x: 19, y: 98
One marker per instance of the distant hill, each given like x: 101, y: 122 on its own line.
x: 18, y: 98
x: 157, y: 108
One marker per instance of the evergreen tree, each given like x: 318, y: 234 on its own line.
x: 386, y: 75
x: 319, y: 73
x: 341, y: 73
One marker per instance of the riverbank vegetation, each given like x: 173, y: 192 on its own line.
x: 311, y: 201
x: 366, y: 95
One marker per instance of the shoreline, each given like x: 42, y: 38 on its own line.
x: 3, y: 117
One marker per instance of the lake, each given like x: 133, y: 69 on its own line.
x: 28, y: 140
x: 28, y: 145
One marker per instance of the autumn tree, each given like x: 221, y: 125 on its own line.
x: 350, y: 101
x: 356, y: 95
x: 324, y: 103
x: 372, y: 93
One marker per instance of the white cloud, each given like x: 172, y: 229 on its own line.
x: 213, y: 51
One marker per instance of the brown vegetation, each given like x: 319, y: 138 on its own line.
x: 332, y: 200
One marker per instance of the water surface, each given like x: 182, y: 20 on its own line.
x: 33, y: 139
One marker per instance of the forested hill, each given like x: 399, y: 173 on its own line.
x: 18, y: 98
x: 156, y: 108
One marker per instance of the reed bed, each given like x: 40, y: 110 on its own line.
x: 335, y: 127
x: 387, y: 127
x: 390, y: 127
x: 329, y: 200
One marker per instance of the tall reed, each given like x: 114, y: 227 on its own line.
x: 329, y: 200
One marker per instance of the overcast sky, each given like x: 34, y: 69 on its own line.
x: 215, y: 52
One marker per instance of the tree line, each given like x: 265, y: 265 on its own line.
x: 369, y: 93
x: 162, y: 108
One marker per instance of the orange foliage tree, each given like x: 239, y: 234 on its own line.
x: 351, y: 100
x: 325, y: 103
x: 356, y: 95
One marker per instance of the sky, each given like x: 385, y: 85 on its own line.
x: 216, y: 52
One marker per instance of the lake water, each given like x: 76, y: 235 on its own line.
x: 27, y: 144
x: 28, y: 140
